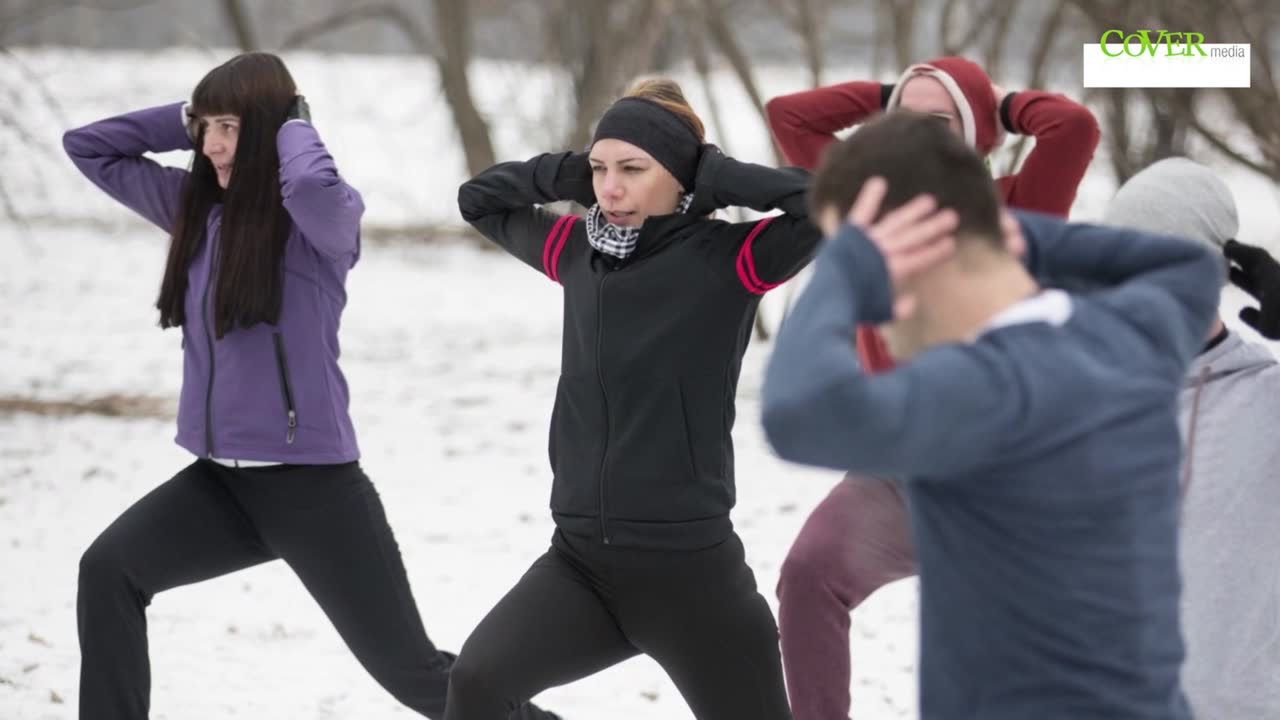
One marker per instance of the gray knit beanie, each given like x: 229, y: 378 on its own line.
x: 1177, y: 196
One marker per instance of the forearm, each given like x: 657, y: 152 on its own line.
x: 111, y: 154
x: 324, y: 207
x: 509, y: 186
x: 733, y: 183
x: 804, y: 123
x: 813, y: 391
x: 156, y: 129
x: 1099, y: 255
x: 1066, y: 135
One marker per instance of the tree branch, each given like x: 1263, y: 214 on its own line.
x: 1044, y: 45
x: 398, y: 18
x: 1004, y: 10
x: 976, y: 26
x: 453, y: 19
x: 241, y: 25
x: 903, y: 14
x: 1235, y: 156
x: 803, y: 20
x: 722, y: 35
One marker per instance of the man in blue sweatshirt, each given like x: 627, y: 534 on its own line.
x: 1036, y: 430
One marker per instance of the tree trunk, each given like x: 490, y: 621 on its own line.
x: 1118, y: 140
x: 805, y: 20
x: 453, y: 25
x: 241, y: 25
x: 702, y: 65
x: 722, y: 35
x: 453, y: 22
x: 615, y: 50
x: 904, y: 18
x: 994, y: 56
x: 1044, y: 45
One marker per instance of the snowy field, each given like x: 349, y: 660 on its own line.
x: 452, y: 356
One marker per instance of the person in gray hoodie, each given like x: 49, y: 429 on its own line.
x: 1230, y: 539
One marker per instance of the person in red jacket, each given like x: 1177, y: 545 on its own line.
x: 857, y: 540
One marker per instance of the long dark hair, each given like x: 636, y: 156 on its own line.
x: 255, y: 226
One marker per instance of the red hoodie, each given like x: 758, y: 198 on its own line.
x: 1066, y: 134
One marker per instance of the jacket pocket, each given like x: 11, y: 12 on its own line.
x: 286, y: 389
x: 578, y: 425
x: 708, y: 409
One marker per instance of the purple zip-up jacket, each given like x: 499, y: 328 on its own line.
x: 268, y: 392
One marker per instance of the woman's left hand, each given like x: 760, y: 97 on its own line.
x: 710, y: 158
x: 298, y: 109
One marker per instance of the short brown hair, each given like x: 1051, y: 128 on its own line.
x: 915, y: 153
x: 667, y: 93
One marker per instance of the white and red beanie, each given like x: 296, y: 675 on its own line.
x: 970, y: 88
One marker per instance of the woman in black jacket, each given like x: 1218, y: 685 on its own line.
x: 659, y: 303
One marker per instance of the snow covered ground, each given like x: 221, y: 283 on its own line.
x: 452, y: 356
x: 453, y: 433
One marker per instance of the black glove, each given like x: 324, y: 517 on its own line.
x: 1253, y: 270
x: 191, y: 123
x: 710, y: 159
x: 573, y: 181
x: 298, y: 109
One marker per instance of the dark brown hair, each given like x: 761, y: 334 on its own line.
x: 915, y: 153
x: 256, y: 87
x: 667, y: 93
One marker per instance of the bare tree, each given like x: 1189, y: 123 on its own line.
x: 714, y: 16
x: 972, y: 26
x: 960, y: 34
x: 15, y: 119
x: 452, y: 58
x: 34, y: 11
x: 999, y: 22
x: 702, y: 65
x: 807, y: 18
x: 1257, y: 108
x: 1045, y: 43
x: 902, y: 21
x: 602, y: 46
x: 1170, y: 117
x: 241, y: 24
x: 453, y: 21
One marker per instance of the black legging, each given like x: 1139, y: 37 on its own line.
x: 325, y: 521
x: 583, y: 607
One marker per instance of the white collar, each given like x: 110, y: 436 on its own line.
x: 1051, y: 306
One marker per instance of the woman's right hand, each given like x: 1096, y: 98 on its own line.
x: 710, y: 160
x: 298, y: 109
x: 573, y: 181
x: 190, y: 122
x: 1253, y: 270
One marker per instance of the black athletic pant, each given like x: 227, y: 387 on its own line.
x: 584, y: 606
x: 325, y: 521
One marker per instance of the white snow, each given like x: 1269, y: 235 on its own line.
x: 452, y: 355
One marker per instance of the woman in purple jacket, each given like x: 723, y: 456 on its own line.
x: 263, y: 233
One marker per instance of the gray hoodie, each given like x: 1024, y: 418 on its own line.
x: 1230, y: 415
x: 1230, y: 418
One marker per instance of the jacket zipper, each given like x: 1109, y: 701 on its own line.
x: 286, y: 388
x: 208, y: 335
x: 604, y: 394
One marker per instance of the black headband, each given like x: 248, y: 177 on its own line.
x: 656, y: 130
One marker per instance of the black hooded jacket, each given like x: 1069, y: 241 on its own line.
x: 640, y: 440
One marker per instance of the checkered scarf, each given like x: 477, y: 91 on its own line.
x: 618, y: 240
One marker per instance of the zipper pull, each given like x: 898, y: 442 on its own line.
x: 293, y: 425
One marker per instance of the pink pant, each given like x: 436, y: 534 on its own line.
x: 855, y: 542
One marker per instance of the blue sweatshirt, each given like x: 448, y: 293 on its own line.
x: 1042, y: 461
